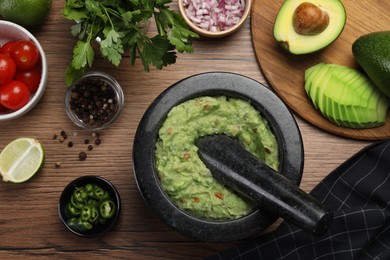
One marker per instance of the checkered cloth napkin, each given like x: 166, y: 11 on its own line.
x: 358, y: 192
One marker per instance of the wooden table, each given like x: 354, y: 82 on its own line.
x: 29, y: 223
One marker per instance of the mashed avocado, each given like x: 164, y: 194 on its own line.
x: 183, y: 175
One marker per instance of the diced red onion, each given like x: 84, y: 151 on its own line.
x: 214, y: 15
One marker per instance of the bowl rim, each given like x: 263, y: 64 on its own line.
x: 67, y: 191
x: 213, y: 83
x: 44, y: 75
x: 218, y: 34
x: 118, y: 93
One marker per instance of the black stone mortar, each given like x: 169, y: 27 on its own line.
x: 282, y: 124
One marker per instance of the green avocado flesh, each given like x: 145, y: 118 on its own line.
x: 295, y: 43
x: 345, y: 96
x: 185, y: 178
x: 372, y: 52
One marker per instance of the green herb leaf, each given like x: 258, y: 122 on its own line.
x: 71, y: 74
x: 158, y: 51
x: 83, y: 55
x: 120, y: 25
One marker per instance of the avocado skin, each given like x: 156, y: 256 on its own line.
x: 372, y: 53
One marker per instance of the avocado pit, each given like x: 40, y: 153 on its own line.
x: 310, y: 19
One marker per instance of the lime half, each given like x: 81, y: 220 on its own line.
x: 21, y: 159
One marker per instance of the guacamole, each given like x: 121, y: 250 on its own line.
x: 183, y: 175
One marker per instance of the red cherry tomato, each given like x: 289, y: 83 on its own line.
x: 7, y: 47
x: 7, y: 68
x: 14, y: 95
x: 31, y: 77
x: 25, y: 54
x: 2, y: 108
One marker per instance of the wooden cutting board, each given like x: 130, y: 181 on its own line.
x: 285, y: 72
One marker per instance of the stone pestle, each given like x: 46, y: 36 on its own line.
x: 244, y: 173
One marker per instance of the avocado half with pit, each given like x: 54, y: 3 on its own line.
x: 306, y: 26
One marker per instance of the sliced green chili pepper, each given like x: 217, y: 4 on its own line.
x: 107, y: 208
x: 89, y: 187
x: 71, y: 211
x: 88, y: 206
x: 94, y: 215
x: 75, y: 203
x: 98, y: 193
x: 80, y: 195
x: 106, y: 195
x: 86, y: 213
x: 79, y: 225
x: 93, y: 202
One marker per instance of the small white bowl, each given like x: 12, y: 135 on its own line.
x: 217, y: 34
x: 11, y: 31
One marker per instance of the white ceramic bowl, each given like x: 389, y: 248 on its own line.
x: 11, y: 31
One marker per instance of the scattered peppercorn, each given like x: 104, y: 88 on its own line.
x: 82, y: 156
x: 98, y: 141
x: 93, y: 101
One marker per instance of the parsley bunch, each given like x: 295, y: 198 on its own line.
x: 118, y: 24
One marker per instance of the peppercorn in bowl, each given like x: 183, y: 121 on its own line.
x: 89, y: 206
x: 94, y: 101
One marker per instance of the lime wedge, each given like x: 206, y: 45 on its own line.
x: 21, y: 159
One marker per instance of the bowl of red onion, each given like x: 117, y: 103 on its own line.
x: 215, y: 18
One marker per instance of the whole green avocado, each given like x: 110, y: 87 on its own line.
x: 372, y: 53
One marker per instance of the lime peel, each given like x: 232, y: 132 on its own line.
x: 21, y: 159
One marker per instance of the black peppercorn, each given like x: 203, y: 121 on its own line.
x: 70, y: 144
x: 82, y: 156
x: 93, y: 101
x: 98, y: 141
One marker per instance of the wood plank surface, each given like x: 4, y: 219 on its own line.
x: 29, y: 223
x: 285, y: 72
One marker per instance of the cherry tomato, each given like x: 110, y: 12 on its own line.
x: 25, y: 54
x: 2, y: 108
x: 31, y: 77
x: 7, y: 68
x: 14, y: 95
x: 7, y: 47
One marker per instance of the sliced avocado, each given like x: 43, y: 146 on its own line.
x: 345, y: 96
x: 305, y: 26
x: 309, y: 75
x: 372, y: 52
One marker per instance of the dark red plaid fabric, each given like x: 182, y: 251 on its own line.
x: 358, y: 192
